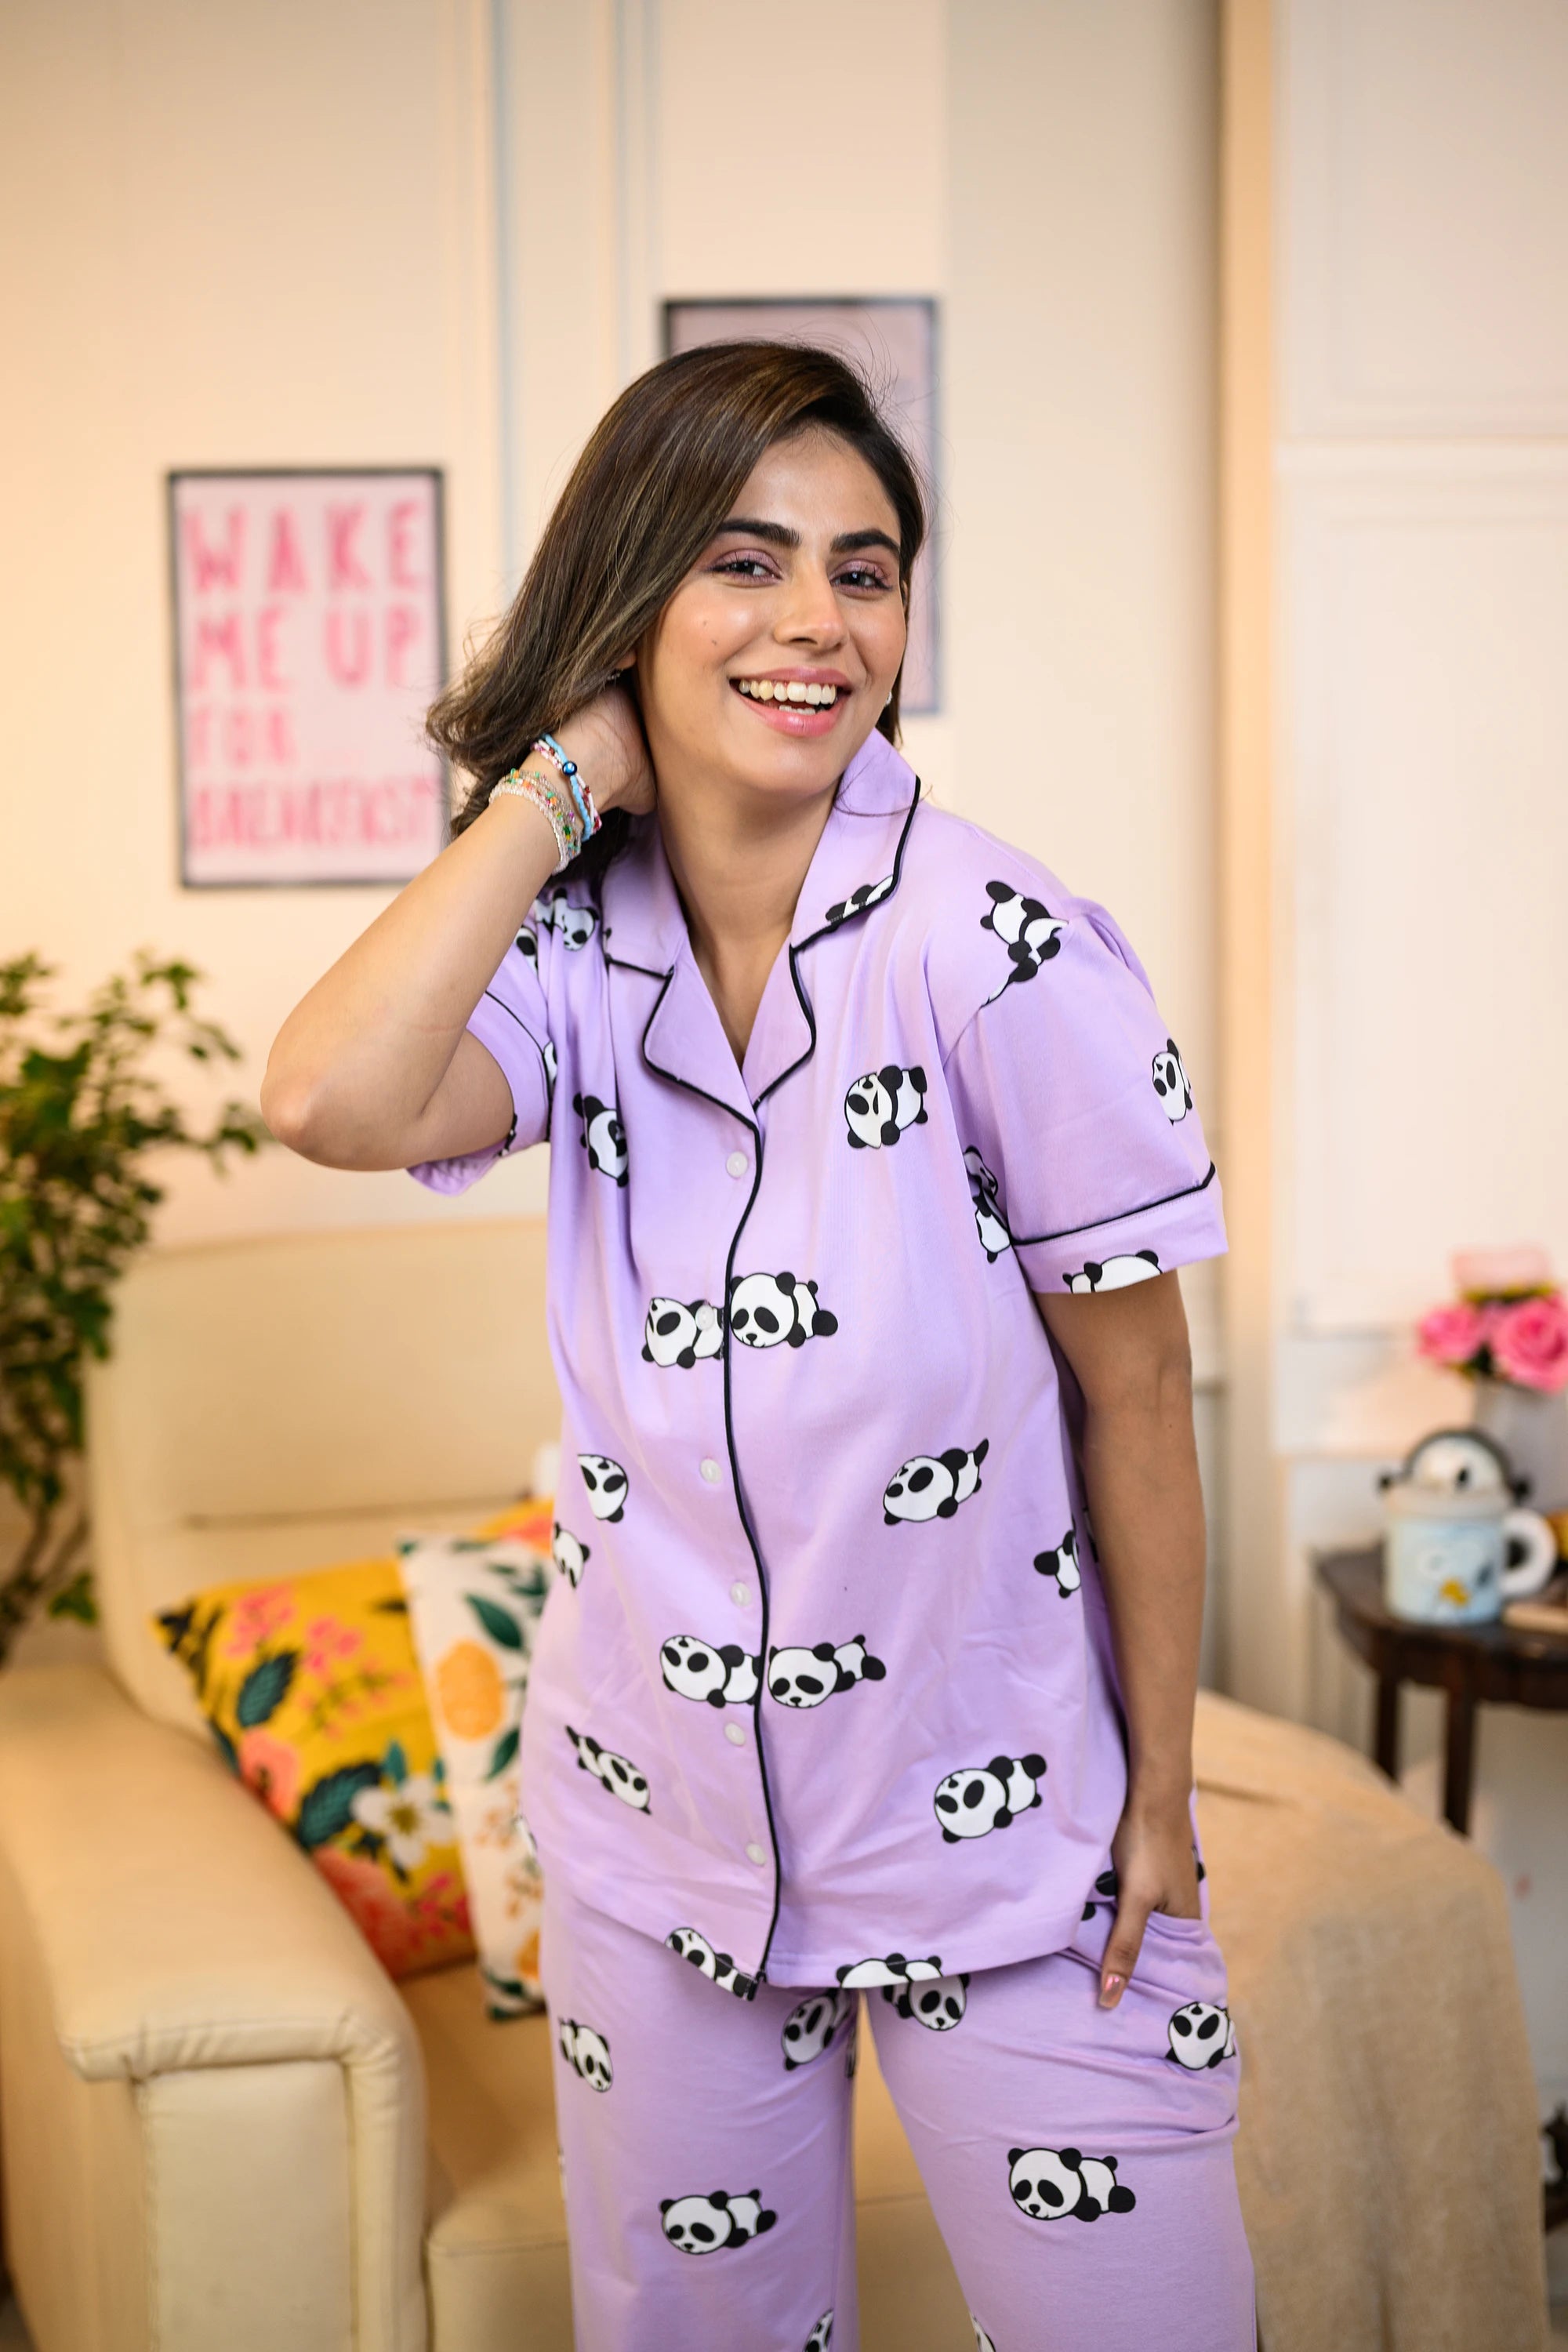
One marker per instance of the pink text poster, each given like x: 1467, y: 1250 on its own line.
x: 308, y: 642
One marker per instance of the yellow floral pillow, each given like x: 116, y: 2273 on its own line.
x: 311, y: 1689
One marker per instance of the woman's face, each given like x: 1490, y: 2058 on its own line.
x: 771, y: 663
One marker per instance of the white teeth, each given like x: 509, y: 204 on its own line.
x: 767, y: 690
x: 796, y: 691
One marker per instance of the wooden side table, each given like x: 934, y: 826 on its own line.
x: 1501, y: 1664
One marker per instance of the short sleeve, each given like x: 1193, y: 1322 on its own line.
x: 511, y: 1021
x: 1084, y: 1147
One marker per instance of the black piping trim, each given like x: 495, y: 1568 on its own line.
x: 1027, y: 1241
x: 825, y: 931
x: 544, y: 1065
x: 756, y: 1134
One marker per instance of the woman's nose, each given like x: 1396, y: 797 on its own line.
x: 811, y: 611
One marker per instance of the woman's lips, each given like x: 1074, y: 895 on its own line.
x: 796, y: 718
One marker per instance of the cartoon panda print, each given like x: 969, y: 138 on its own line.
x: 1060, y: 1563
x: 717, y: 1966
x: 1049, y: 2183
x: 616, y: 1773
x: 527, y: 945
x: 547, y: 1056
x: 894, y: 1971
x: 722, y: 1673
x: 1114, y: 1273
x: 700, y: 2225
x: 772, y: 1310
x: 938, y: 2003
x: 681, y: 1334
x: 932, y: 1485
x: 984, y: 1192
x: 1031, y: 934
x: 570, y: 1555
x: 603, y: 1137
x: 805, y: 1677
x: 606, y: 1486
x: 1172, y: 1083
x: 878, y: 1106
x: 821, y: 2335
x: 858, y: 901
x: 586, y: 2053
x: 981, y: 2341
x: 572, y: 926
x: 980, y: 1798
x: 1201, y: 2035
x: 809, y: 2028
x: 1105, y: 1886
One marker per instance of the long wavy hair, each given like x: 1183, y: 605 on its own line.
x: 660, y: 474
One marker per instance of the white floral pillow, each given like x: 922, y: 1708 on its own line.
x: 473, y: 1603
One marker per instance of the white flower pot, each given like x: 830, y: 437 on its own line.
x: 1532, y: 1430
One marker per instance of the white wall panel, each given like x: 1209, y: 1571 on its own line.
x: 1424, y: 217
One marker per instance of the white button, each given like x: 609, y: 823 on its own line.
x: 755, y: 1853
x: 741, y: 1594
x: 710, y: 1471
x: 734, y: 1735
x: 737, y: 1164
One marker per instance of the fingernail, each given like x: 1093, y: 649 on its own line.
x: 1111, y: 1988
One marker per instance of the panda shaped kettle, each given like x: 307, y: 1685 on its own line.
x: 1459, y: 1543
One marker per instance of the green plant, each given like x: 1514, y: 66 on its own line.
x: 81, y: 1112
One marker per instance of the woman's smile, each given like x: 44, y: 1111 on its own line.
x: 795, y: 701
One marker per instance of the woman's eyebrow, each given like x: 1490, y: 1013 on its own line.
x: 779, y: 534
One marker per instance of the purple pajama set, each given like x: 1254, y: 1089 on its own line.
x: 822, y: 1700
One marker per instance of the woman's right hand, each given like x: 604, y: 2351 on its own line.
x: 605, y: 737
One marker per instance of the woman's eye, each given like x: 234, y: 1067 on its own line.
x: 745, y: 567
x: 864, y: 575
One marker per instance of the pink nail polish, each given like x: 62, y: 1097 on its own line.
x: 1110, y: 1988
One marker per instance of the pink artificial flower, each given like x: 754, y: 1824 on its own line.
x: 270, y: 1768
x: 1451, y: 1335
x: 327, y: 1641
x: 256, y: 1618
x: 1530, y: 1343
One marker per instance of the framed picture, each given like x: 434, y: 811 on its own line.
x: 310, y: 638
x: 894, y: 340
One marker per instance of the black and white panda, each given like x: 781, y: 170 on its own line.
x: 606, y: 1483
x: 1031, y: 934
x: 811, y: 2026
x: 676, y: 1333
x: 1105, y: 1886
x: 805, y: 1677
x: 1114, y: 1273
x: 603, y: 1137
x: 571, y: 1555
x: 1200, y: 2034
x: 527, y: 945
x: 981, y: 2341
x: 980, y: 1798
x: 1172, y: 1083
x: 879, y: 1105
x: 769, y: 1311
x: 821, y: 2335
x: 700, y: 2225
x: 984, y: 1192
x: 1060, y: 1563
x: 932, y: 1485
x: 723, y: 1673
x: 894, y: 1971
x: 586, y: 2053
x: 1049, y: 2183
x: 616, y: 1773
x: 865, y: 896
x: 718, y: 1967
x: 547, y: 1056
x: 939, y: 2004
x: 572, y: 926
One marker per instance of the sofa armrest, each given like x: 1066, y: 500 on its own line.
x: 177, y: 1929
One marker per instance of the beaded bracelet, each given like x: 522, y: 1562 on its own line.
x: 569, y: 769
x: 547, y: 796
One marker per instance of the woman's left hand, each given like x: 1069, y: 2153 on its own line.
x: 1155, y: 1871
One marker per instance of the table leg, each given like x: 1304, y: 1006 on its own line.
x: 1385, y: 1736
x: 1459, y: 1760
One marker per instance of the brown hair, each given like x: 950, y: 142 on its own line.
x: 657, y: 479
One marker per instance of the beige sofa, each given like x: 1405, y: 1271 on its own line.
x: 223, y: 2125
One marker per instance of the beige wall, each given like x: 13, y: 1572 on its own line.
x: 272, y: 234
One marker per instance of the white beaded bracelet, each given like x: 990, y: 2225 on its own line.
x: 552, y: 804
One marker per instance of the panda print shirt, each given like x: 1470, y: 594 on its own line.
x: 823, y: 1689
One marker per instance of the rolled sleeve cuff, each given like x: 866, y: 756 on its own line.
x: 521, y: 1057
x: 1161, y: 1234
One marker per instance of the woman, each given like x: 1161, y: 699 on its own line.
x: 872, y: 1161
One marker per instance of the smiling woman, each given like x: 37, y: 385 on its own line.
x: 862, y: 1231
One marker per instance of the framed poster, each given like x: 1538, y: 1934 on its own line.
x: 309, y: 641
x: 893, y: 339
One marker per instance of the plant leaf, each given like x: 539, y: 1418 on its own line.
x: 498, y: 1623
x: 264, y: 1690
x: 505, y: 1749
x: 326, y: 1806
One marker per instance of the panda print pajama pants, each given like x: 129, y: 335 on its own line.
x: 1077, y: 2159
